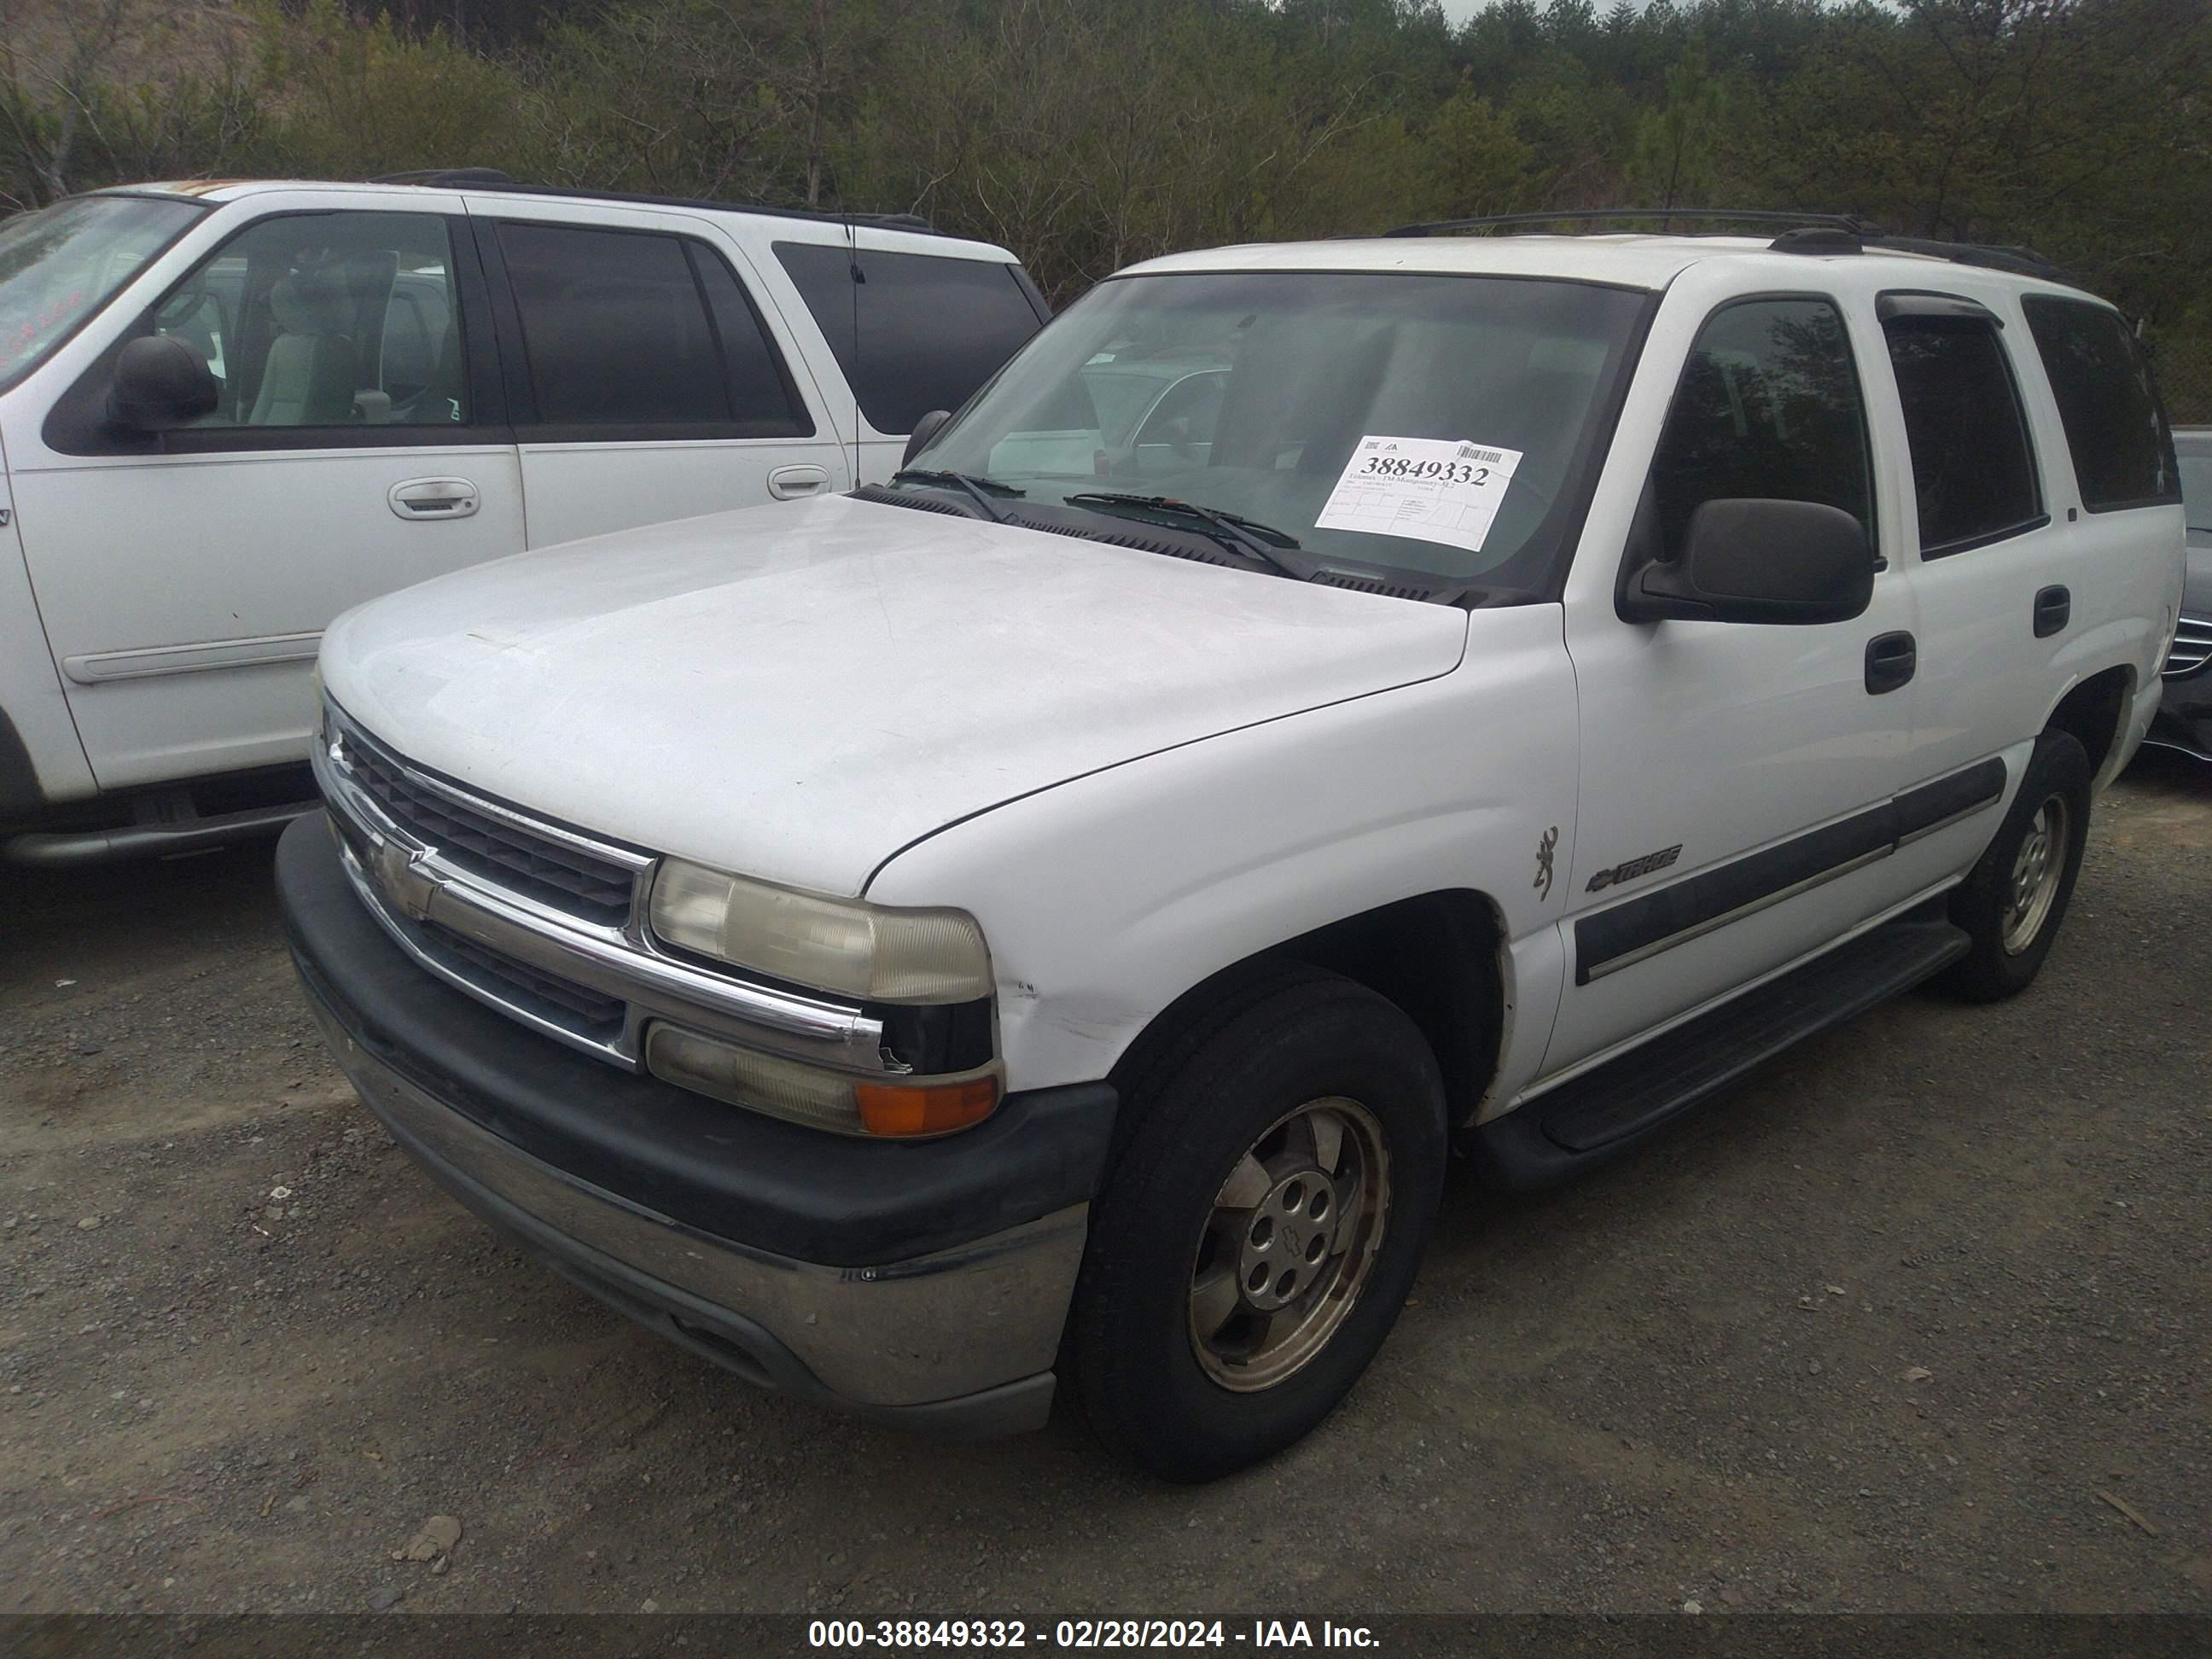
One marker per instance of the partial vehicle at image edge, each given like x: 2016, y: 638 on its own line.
x: 2184, y: 722
x: 1042, y: 924
x: 229, y: 410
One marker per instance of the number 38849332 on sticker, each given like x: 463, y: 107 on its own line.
x: 1438, y: 489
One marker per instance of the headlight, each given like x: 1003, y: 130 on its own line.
x: 843, y: 946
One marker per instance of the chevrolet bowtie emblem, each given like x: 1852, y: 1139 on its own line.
x: 403, y: 879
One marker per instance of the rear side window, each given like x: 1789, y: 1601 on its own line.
x: 2122, y: 449
x: 633, y: 329
x: 1973, y: 474
x: 930, y: 330
x: 1769, y: 406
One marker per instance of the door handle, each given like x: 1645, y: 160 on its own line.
x: 2054, y: 609
x: 789, y: 482
x: 434, y: 498
x: 1890, y: 661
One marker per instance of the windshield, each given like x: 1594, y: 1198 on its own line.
x: 60, y: 265
x: 2196, y: 490
x: 1433, y: 425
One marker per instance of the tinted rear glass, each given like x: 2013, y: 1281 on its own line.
x: 930, y: 330
x: 2123, y: 450
x: 1973, y: 474
x: 614, y: 327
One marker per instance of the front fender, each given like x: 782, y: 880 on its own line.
x: 1104, y: 898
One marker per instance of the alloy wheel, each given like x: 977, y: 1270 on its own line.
x: 1289, y: 1244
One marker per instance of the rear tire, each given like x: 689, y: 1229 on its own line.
x: 1262, y: 1226
x: 2011, y: 904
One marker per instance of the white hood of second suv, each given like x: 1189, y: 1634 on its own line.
x: 797, y: 692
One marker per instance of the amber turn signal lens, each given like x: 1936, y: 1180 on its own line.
x: 890, y: 1108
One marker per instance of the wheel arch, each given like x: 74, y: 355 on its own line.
x: 22, y: 798
x: 2095, y: 711
x: 1439, y: 956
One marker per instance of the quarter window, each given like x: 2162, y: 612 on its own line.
x: 1973, y: 473
x: 327, y: 319
x: 1769, y: 406
x: 632, y: 329
x: 2122, y: 449
x: 913, y: 331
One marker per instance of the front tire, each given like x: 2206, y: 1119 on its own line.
x: 1262, y: 1226
x: 2011, y: 904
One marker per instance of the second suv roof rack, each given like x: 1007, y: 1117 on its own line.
x: 491, y: 178
x: 447, y: 178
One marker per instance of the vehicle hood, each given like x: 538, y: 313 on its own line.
x: 798, y: 691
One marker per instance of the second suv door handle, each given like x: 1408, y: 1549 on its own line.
x: 1890, y: 661
x: 434, y: 498
x: 788, y: 481
x: 2054, y: 608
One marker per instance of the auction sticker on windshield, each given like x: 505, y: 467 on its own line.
x: 1434, y: 489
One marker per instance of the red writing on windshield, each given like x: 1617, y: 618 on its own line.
x: 33, y: 329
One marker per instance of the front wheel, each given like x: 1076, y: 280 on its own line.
x: 1261, y: 1227
x: 2011, y: 904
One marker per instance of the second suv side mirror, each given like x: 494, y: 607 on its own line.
x: 160, y: 382
x: 1756, y: 561
x: 924, y: 430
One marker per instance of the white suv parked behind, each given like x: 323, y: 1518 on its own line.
x: 1054, y: 917
x: 228, y: 411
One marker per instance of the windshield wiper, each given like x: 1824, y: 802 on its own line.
x: 1228, y: 528
x: 980, y: 488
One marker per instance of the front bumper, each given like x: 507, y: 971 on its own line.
x: 922, y: 1283
x: 2183, y: 719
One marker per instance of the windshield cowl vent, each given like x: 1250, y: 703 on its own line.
x: 1203, y: 554
x: 1370, y: 585
x: 918, y: 503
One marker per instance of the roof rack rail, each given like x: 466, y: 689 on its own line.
x: 1992, y: 255
x: 448, y: 177
x: 491, y: 178
x: 1814, y: 234
x: 1603, y: 215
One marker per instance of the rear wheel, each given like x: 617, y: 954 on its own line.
x: 1261, y: 1227
x: 2012, y: 904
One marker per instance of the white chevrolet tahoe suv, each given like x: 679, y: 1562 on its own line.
x: 1319, y: 709
x: 229, y: 411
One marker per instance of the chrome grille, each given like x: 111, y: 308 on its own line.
x: 590, y: 1013
x: 2192, y: 648
x: 538, y: 920
x: 567, y: 878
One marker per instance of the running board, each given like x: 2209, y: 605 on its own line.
x: 1631, y: 1098
x: 63, y: 849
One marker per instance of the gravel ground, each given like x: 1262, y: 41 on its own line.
x: 1916, y: 1320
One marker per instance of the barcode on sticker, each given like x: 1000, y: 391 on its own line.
x: 1469, y: 452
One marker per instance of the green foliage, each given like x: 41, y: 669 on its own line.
x: 1673, y: 160
x: 352, y: 99
x: 1087, y: 134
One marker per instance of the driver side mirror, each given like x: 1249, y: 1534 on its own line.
x: 1750, y: 560
x: 924, y: 430
x: 160, y: 382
